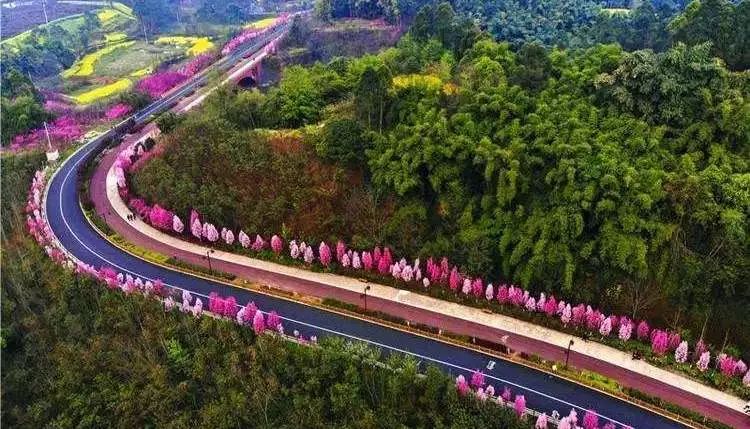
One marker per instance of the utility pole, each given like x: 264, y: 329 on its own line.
x: 44, y: 8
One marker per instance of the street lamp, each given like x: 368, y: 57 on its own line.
x: 208, y: 256
x: 567, y: 353
x: 364, y: 295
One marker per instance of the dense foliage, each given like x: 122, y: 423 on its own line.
x: 602, y: 175
x: 20, y: 106
x: 77, y: 354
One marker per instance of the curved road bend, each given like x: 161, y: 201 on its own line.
x: 542, y: 391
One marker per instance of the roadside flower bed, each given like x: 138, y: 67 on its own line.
x: 438, y: 277
x: 477, y: 387
x: 159, y: 83
x: 175, y: 299
x: 172, y: 297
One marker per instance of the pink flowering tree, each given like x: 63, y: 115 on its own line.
x: 259, y: 243
x: 681, y: 352
x: 177, y: 225
x: 210, y: 232
x: 643, y: 330
x: 324, y: 254
x: 541, y: 422
x: 461, y: 385
x: 519, y: 405
x: 660, y: 343
x: 703, y: 361
x: 590, y: 420
x: 117, y: 111
x: 276, y: 244
x: 259, y: 323
x: 626, y: 330
x: 244, y: 239
x: 477, y: 379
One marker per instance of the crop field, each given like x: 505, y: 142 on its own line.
x: 193, y: 45
x: 261, y: 23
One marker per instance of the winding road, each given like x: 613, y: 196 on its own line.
x: 543, y: 392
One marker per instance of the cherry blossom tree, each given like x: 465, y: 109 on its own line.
x: 461, y: 385
x: 259, y: 323
x: 274, y: 321
x: 454, y: 280
x: 309, y: 256
x: 541, y: 422
x: 177, y: 225
x: 244, y: 239
x: 590, y: 420
x: 626, y: 330
x: 531, y: 304
x: 520, y: 405
x: 477, y: 287
x: 477, y: 379
x: 277, y: 244
x: 340, y: 250
x: 503, y: 295
x: 681, y: 352
x: 259, y: 243
x: 703, y: 361
x: 210, y: 232
x: 726, y: 364
x: 198, y: 308
x: 367, y: 261
x: 643, y: 330
x: 506, y: 395
x: 566, y: 316
x: 324, y: 254
x: 659, y: 343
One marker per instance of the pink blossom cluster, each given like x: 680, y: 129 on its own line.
x: 159, y: 83
x: 476, y: 387
x: 117, y: 111
x: 64, y: 129
x: 197, y: 64
x: 251, y: 34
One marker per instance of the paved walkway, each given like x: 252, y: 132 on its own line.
x: 516, y: 334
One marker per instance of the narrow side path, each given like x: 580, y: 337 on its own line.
x: 518, y: 335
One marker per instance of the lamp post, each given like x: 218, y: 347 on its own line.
x: 364, y: 296
x: 208, y: 256
x: 567, y: 353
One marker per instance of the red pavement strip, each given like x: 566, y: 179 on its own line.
x: 305, y: 287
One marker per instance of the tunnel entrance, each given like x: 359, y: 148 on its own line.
x: 247, y: 82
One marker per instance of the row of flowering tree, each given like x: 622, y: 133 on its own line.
x: 438, y: 273
x: 251, y: 34
x: 172, y: 297
x: 482, y: 391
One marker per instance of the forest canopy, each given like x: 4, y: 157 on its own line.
x: 605, y: 175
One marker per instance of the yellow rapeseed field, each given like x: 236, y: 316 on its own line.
x: 198, y: 45
x: 85, y: 66
x: 261, y: 24
x: 101, y: 92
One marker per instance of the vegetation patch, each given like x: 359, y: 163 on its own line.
x: 194, y: 45
x: 102, y: 92
x: 261, y: 24
x: 85, y: 66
